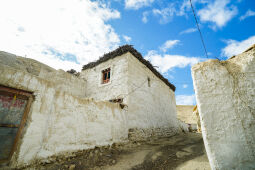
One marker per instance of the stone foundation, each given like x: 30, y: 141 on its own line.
x: 143, y: 134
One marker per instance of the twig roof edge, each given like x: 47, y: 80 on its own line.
x: 122, y: 50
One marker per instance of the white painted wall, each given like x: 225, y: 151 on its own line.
x: 60, y: 122
x: 62, y: 118
x: 225, y: 93
x: 149, y: 106
x: 150, y: 109
x: 65, y: 82
x: 117, y: 86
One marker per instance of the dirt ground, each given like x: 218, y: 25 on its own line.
x: 182, y: 152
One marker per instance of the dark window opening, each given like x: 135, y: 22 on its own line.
x: 109, y: 75
x: 106, y: 75
x: 120, y: 100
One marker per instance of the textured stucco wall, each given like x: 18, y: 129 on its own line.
x: 65, y: 82
x: 151, y: 104
x: 117, y: 86
x: 60, y: 122
x: 225, y: 93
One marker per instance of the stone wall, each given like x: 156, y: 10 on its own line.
x: 225, y: 93
x: 143, y: 134
x: 60, y: 121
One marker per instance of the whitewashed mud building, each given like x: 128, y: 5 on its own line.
x: 125, y: 76
x: 46, y: 112
x: 225, y: 93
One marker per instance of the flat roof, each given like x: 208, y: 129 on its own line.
x: 122, y: 50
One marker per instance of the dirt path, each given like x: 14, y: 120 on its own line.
x: 184, y: 152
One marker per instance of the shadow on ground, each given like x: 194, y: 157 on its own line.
x: 172, y: 156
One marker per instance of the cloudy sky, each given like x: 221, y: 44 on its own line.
x: 67, y: 34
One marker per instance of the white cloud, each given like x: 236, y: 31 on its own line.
x: 169, y: 44
x: 249, y: 13
x: 145, y: 17
x: 61, y: 33
x: 209, y: 53
x: 167, y: 62
x: 184, y: 86
x: 185, y: 99
x: 236, y: 47
x: 136, y: 4
x: 185, y: 6
x: 127, y: 38
x: 168, y: 11
x: 165, y: 14
x: 187, y: 31
x: 218, y: 13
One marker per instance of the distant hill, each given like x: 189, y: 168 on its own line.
x: 185, y: 113
x: 26, y: 64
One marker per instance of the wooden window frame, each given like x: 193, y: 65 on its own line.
x: 106, y: 76
x: 21, y: 94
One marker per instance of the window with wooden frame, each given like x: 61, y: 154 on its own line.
x: 106, y: 75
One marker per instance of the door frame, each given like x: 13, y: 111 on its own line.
x: 30, y: 98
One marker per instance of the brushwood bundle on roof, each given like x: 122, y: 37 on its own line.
x: 122, y: 50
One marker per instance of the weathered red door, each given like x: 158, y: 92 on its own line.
x: 14, y: 107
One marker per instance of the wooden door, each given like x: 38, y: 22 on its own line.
x: 14, y: 107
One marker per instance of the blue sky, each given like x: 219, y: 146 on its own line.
x: 67, y: 34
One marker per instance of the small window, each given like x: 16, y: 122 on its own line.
x: 106, y: 75
x: 149, y: 82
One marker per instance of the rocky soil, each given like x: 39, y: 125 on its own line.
x: 184, y: 152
